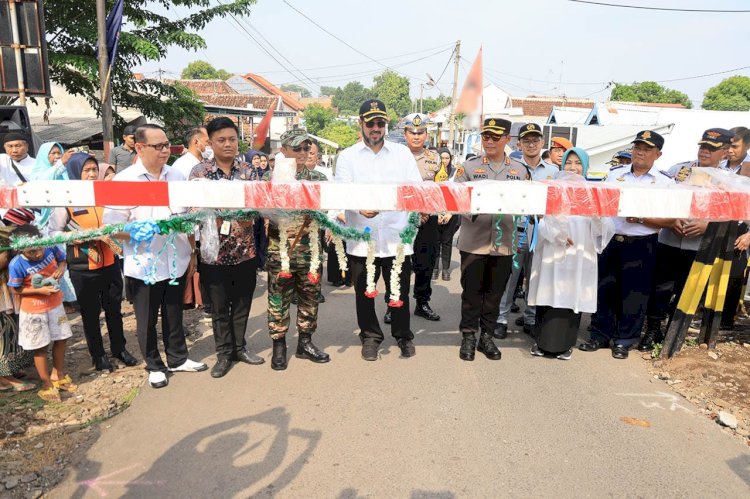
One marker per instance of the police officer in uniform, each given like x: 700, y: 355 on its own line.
x: 487, y: 244
x: 626, y: 266
x: 425, y: 244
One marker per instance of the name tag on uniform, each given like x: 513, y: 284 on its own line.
x: 225, y: 228
x: 480, y: 176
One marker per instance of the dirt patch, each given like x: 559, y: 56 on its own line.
x: 39, y: 439
x: 717, y: 381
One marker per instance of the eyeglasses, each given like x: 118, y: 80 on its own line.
x: 158, y: 147
x: 492, y: 137
x: 534, y: 141
x: 305, y: 148
x: 379, y: 124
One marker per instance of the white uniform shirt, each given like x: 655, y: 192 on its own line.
x: 8, y: 174
x: 394, y: 163
x: 138, y: 264
x: 185, y: 163
x: 624, y: 174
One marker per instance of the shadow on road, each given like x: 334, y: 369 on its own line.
x: 741, y: 466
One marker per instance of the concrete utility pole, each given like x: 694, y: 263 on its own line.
x: 104, y: 74
x: 452, y: 118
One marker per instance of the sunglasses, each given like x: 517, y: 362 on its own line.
x: 492, y: 137
x: 158, y: 147
x: 378, y: 123
x: 305, y: 148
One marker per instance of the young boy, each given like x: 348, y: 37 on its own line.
x: 42, y: 319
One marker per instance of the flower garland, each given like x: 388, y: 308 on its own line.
x: 313, y: 275
x: 370, y: 290
x: 284, y: 250
x: 407, y: 237
x: 338, y: 245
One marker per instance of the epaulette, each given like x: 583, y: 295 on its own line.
x: 665, y: 174
x: 617, y: 167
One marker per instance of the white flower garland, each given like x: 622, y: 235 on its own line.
x: 313, y: 276
x: 395, y: 298
x: 370, y: 291
x: 338, y: 245
x: 284, y: 250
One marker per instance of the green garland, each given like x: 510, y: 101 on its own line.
x: 336, y: 229
x: 410, y: 231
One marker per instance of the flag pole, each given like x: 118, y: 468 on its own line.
x: 104, y: 74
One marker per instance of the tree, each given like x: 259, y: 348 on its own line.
x: 147, y: 35
x: 732, y: 94
x: 327, y: 91
x: 317, y: 118
x: 649, y: 91
x: 393, y: 90
x: 341, y: 133
x: 201, y: 70
x: 292, y: 87
x: 349, y: 98
x: 432, y: 104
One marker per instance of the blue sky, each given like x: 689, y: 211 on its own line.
x: 542, y: 47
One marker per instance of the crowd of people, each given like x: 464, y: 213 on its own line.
x: 624, y: 271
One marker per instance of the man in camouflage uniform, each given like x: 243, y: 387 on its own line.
x: 294, y: 144
x: 487, y: 244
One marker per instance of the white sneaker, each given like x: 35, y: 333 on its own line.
x: 157, y: 379
x: 189, y: 366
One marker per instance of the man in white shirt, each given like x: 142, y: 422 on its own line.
x: 16, y: 162
x: 373, y: 160
x: 151, y: 271
x: 196, y: 141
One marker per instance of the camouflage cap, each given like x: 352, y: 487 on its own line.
x: 294, y: 137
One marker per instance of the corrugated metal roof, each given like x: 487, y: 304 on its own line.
x: 72, y: 129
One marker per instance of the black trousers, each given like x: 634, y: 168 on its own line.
x: 367, y: 319
x: 626, y: 275
x: 671, y: 273
x: 334, y: 270
x: 148, y: 299
x: 424, y: 259
x: 96, y: 290
x: 445, y: 242
x: 230, y: 289
x: 483, y: 280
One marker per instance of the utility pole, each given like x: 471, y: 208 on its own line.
x: 452, y: 118
x: 104, y: 93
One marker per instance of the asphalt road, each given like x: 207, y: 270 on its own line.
x: 431, y: 426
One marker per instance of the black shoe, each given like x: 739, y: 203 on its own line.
x: 337, y: 284
x: 321, y: 298
x: 500, y: 332
x: 519, y: 321
x: 592, y: 345
x: 423, y: 310
x: 515, y: 308
x: 103, y: 364
x: 294, y: 299
x: 307, y: 350
x: 653, y: 335
x: 620, y: 352
x: 488, y: 347
x: 468, y: 347
x: 126, y: 358
x: 446, y: 275
x: 407, y: 348
x: 278, y: 357
x: 221, y: 367
x: 387, y: 316
x: 370, y: 350
x: 435, y: 273
x: 248, y: 358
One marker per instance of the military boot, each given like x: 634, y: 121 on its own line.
x: 307, y: 350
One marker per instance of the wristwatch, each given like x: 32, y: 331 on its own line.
x: 641, y: 220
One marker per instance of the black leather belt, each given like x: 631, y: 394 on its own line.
x: 620, y: 238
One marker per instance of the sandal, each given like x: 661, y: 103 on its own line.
x: 66, y: 384
x: 50, y: 394
x: 23, y: 386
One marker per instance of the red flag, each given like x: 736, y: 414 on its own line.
x: 261, y: 133
x: 472, y: 91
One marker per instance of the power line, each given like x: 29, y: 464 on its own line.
x: 345, y: 42
x: 642, y: 7
x: 704, y: 75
